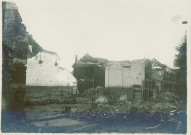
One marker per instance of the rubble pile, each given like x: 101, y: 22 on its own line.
x: 144, y: 106
x: 167, y: 97
x: 101, y: 100
x: 151, y: 110
x: 89, y: 92
x: 120, y: 107
x: 166, y: 105
x: 163, y: 107
x: 124, y: 110
x: 93, y: 92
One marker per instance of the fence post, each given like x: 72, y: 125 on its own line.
x: 142, y: 90
x: 61, y: 94
x: 133, y: 93
x: 92, y: 104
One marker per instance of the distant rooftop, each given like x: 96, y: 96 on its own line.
x: 51, y: 52
x: 91, y: 60
x: 88, y: 59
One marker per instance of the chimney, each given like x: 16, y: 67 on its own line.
x: 76, y: 58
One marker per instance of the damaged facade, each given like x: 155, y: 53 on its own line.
x: 26, y: 67
x: 46, y: 79
x: 165, y: 78
x: 141, y: 78
x: 89, y: 72
x: 132, y: 76
x: 16, y: 50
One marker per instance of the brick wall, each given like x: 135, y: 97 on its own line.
x: 14, y: 46
x: 40, y: 93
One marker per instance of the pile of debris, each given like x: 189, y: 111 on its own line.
x: 166, y: 105
x: 119, y: 107
x: 167, y: 102
x: 89, y: 92
x: 124, y: 110
x: 167, y: 97
x: 145, y: 106
x: 163, y: 107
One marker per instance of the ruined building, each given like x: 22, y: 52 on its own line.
x: 165, y: 78
x: 16, y: 44
x: 129, y: 75
x: 89, y: 72
x: 140, y: 78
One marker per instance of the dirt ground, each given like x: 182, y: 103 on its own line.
x: 81, y: 105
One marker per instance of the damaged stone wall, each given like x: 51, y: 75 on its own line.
x: 130, y: 75
x: 165, y: 78
x: 42, y: 93
x: 15, y: 51
x: 126, y: 74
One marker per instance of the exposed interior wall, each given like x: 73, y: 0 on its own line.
x: 134, y: 75
x: 113, y: 76
x: 137, y: 73
x: 117, y: 75
x: 43, y: 70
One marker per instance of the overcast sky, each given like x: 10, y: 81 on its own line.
x: 111, y: 29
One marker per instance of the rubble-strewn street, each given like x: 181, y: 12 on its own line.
x: 129, y: 116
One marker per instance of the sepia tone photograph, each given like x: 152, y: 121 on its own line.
x: 94, y: 66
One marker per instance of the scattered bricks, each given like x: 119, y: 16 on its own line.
x: 123, y: 97
x: 167, y: 97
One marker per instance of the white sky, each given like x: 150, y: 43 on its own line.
x: 112, y: 29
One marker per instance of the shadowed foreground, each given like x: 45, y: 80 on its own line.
x: 88, y: 122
